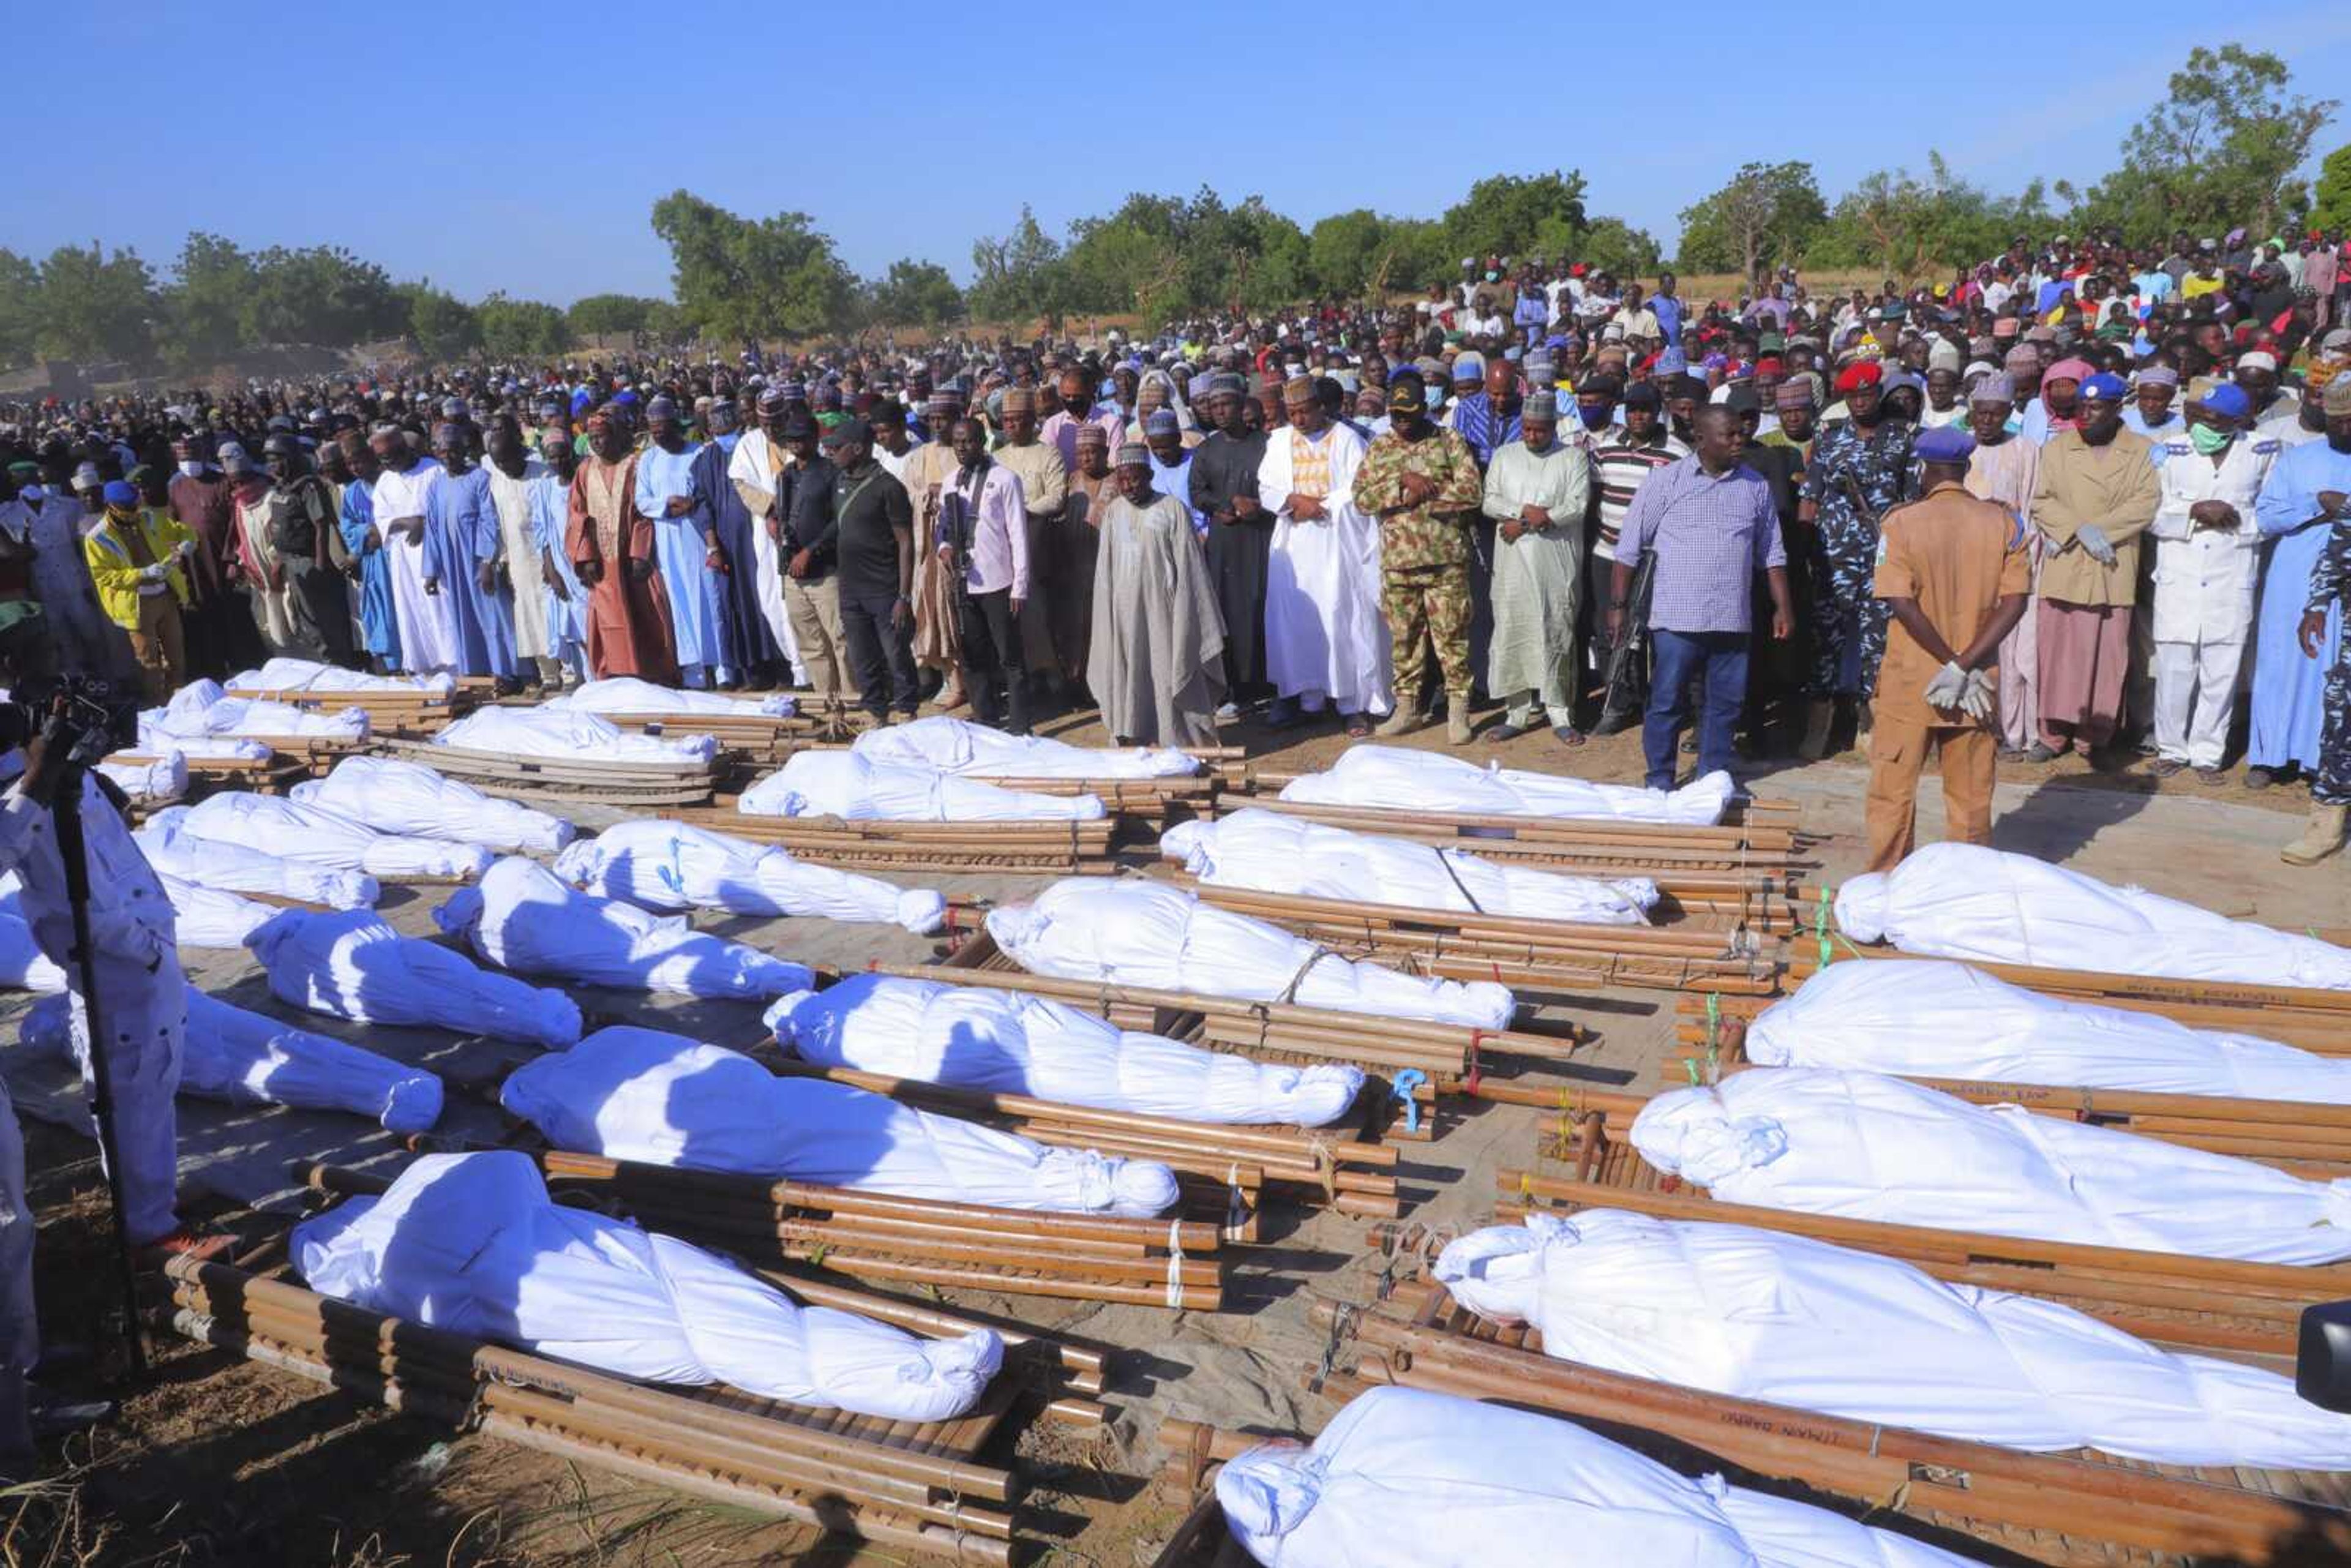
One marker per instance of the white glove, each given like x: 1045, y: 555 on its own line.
x: 184, y: 548
x: 2094, y: 545
x: 1981, y: 700
x: 1948, y: 686
x: 154, y: 573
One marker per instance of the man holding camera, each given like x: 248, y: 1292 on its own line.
x: 142, y: 995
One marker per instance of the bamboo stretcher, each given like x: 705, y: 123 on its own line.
x: 1044, y: 848
x: 1544, y: 956
x: 633, y: 784
x: 272, y: 775
x: 1673, y: 856
x: 390, y: 714
x: 888, y: 1239
x: 2307, y: 1138
x: 2248, y: 1310
x: 903, y: 1484
x: 2313, y: 1020
x: 1326, y: 1165
x: 2082, y: 1508
x: 1449, y: 1056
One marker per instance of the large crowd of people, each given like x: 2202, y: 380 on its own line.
x: 1374, y: 513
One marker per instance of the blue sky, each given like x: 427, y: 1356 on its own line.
x: 493, y: 146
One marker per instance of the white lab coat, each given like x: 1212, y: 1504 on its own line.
x: 2205, y: 577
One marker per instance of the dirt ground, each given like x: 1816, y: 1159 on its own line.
x: 215, y: 1460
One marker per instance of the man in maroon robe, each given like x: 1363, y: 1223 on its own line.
x: 611, y: 544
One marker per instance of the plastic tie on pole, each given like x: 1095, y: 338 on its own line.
x: 1476, y: 1061
x: 1402, y: 1086
x: 1821, y: 921
x: 1176, y: 1265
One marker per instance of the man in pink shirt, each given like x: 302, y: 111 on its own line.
x: 983, y: 538
x: 1077, y: 390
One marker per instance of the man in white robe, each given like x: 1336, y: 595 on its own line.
x: 514, y: 473
x: 1326, y: 639
x: 427, y: 622
x: 1535, y: 492
x: 756, y: 470
x: 1157, y: 657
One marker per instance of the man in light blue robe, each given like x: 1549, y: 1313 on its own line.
x: 750, y: 651
x: 379, y: 629
x: 463, y: 552
x: 550, y: 515
x: 686, y: 544
x: 2288, y: 686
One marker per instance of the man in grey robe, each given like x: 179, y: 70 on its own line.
x: 1156, y: 661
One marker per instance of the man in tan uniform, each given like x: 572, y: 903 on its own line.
x: 1955, y: 574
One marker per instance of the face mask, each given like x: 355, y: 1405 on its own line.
x: 32, y: 494
x: 2209, y: 439
x: 1594, y: 415
x: 192, y: 469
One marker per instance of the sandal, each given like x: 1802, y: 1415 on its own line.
x: 1567, y: 735
x: 1359, y: 726
x: 1505, y: 730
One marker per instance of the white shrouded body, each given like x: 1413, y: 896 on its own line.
x: 1266, y: 851
x: 284, y: 676
x: 943, y: 744
x: 316, y: 837
x: 1146, y: 933
x: 231, y: 866
x: 570, y: 735
x: 396, y: 797
x: 352, y: 964
x: 1005, y: 1042
x: 1402, y: 1474
x: 675, y: 866
x: 472, y: 1244
x: 203, y: 710
x: 639, y: 1095
x: 1790, y: 1321
x: 628, y: 694
x: 251, y: 1058
x: 162, y: 779
x: 843, y: 784
x: 1922, y: 1020
x: 1964, y: 900
x: 525, y: 919
x: 1396, y: 778
x: 207, y: 917
x: 1861, y: 1146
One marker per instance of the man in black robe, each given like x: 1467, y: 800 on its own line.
x: 1240, y: 535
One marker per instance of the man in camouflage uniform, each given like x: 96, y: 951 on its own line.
x: 1421, y: 482
x: 2330, y: 787
x: 1868, y: 451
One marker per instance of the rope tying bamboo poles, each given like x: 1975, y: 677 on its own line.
x: 1422, y: 1339
x: 1045, y: 848
x: 1345, y: 1173
x: 903, y: 1484
x: 1171, y: 1263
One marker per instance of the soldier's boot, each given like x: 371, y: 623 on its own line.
x: 1820, y: 717
x: 2321, y: 839
x: 1456, y: 720
x: 1403, y: 721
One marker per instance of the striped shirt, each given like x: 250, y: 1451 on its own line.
x: 1617, y: 470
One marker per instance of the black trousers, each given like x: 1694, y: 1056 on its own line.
x: 992, y: 659
x: 880, y: 656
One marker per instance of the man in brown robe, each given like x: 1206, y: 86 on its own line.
x: 611, y: 544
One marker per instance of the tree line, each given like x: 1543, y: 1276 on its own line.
x: 2222, y: 149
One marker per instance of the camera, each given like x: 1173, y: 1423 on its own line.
x: 87, y: 717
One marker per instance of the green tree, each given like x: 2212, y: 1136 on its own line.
x: 521, y: 328
x: 1412, y: 254
x: 1342, y: 248
x: 204, y: 307
x: 599, y: 315
x: 20, y: 309
x: 1909, y: 226
x: 738, y: 277
x: 95, y: 306
x: 1016, y: 276
x: 2332, y: 207
x: 444, y: 327
x: 320, y: 294
x: 2220, y: 150
x: 913, y: 294
x: 1506, y: 215
x: 1764, y: 215
x: 1616, y: 247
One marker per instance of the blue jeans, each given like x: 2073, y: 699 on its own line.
x: 1719, y: 660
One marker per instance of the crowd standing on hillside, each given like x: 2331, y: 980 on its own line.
x: 1588, y: 499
